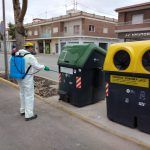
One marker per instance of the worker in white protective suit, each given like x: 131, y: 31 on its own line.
x: 27, y: 84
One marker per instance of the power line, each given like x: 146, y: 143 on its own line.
x: 94, y: 10
x: 45, y: 13
x: 75, y: 5
x: 71, y: 3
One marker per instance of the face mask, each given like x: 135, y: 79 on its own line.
x: 33, y: 53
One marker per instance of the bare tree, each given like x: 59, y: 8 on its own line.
x: 1, y: 37
x: 19, y: 14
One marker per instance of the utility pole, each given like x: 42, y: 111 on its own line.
x: 66, y: 7
x: 46, y: 14
x: 4, y: 40
x: 75, y: 4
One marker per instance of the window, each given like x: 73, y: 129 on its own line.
x: 35, y: 32
x: 137, y: 19
x: 29, y: 33
x: 88, y: 42
x: 65, y: 29
x: 56, y: 47
x: 91, y: 28
x: 105, y: 30
x: 73, y: 43
x: 49, y: 32
x: 62, y: 45
x: 76, y: 29
x: 55, y: 29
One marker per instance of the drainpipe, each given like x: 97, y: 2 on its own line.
x: 44, y: 46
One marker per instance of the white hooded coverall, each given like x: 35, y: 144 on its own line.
x: 27, y: 84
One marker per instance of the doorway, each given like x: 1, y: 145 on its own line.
x: 41, y: 47
x: 103, y: 45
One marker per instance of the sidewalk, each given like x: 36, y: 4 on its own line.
x: 96, y: 115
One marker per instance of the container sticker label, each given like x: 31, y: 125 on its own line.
x: 133, y: 81
x: 66, y: 70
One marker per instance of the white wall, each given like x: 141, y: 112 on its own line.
x: 70, y: 27
x: 53, y: 46
x: 83, y: 40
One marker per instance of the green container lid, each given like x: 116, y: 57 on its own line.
x: 77, y: 55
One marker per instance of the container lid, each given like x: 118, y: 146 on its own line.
x: 130, y: 57
x: 77, y: 55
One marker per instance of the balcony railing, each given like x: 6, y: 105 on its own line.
x: 45, y: 35
x: 130, y: 22
x: 70, y: 34
x: 68, y: 16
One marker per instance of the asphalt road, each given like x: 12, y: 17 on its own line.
x: 52, y: 130
x: 49, y: 60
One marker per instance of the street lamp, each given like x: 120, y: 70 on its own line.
x: 4, y: 40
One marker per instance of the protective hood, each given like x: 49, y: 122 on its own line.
x: 21, y: 52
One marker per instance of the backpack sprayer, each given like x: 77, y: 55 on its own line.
x: 17, y: 67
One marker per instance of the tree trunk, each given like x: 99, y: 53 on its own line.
x: 20, y: 35
x: 19, y: 17
x: 20, y: 40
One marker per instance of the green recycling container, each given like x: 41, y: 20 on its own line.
x: 81, y: 78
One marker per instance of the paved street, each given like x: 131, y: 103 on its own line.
x: 102, y: 103
x: 49, y: 60
x: 52, y: 130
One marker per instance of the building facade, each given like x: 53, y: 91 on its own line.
x: 134, y: 22
x: 49, y: 36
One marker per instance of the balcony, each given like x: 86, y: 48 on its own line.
x: 45, y: 35
x: 64, y: 34
x: 125, y: 26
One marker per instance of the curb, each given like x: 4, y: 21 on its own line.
x: 97, y: 125
x: 85, y: 119
x: 10, y: 83
x: 48, y: 79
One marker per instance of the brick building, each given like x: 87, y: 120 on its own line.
x: 49, y: 36
x: 134, y: 22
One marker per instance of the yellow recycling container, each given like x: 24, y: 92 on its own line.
x: 127, y: 73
